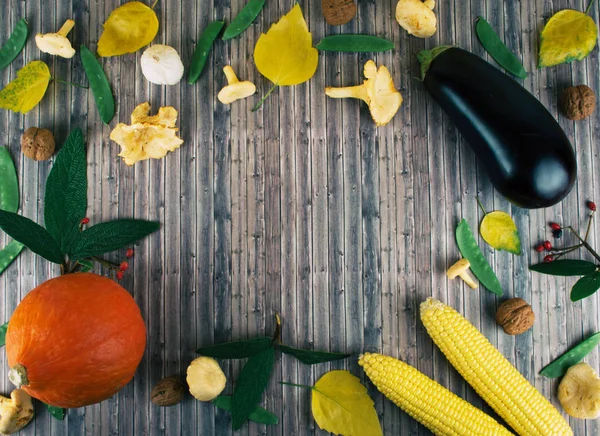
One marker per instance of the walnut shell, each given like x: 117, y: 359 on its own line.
x: 515, y: 316
x: 37, y: 144
x: 578, y: 102
x: 168, y: 392
x: 338, y: 12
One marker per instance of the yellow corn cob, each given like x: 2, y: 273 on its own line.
x: 491, y: 375
x: 427, y: 401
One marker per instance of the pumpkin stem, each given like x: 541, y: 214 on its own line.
x: 18, y: 375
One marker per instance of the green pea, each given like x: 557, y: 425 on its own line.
x: 355, y: 44
x: 243, y: 20
x: 497, y: 50
x: 202, y: 49
x: 9, y: 188
x: 14, y: 44
x: 99, y: 84
x: 560, y: 366
x: 9, y: 253
x: 479, y: 265
x: 260, y: 415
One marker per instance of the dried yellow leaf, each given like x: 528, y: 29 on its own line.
x: 147, y: 136
x: 500, y: 231
x: 26, y: 91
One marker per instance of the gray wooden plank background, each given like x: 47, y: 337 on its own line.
x: 303, y: 208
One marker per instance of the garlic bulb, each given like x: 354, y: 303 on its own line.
x: 162, y: 65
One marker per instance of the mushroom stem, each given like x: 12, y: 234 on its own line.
x: 18, y: 375
x: 468, y: 279
x: 66, y: 28
x: 358, y: 91
x: 230, y: 75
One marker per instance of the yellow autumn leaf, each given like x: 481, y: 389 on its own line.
x: 285, y: 54
x: 500, y: 231
x: 26, y: 91
x: 341, y: 405
x: 127, y: 29
x: 568, y: 36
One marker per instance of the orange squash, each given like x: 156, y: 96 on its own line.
x: 75, y: 340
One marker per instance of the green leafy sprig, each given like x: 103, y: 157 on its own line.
x: 255, y: 375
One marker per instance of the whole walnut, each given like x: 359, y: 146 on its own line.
x: 168, y: 392
x: 37, y: 144
x: 515, y: 316
x: 578, y: 102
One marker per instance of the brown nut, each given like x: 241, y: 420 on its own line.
x: 338, y: 12
x: 515, y: 316
x: 578, y: 102
x: 168, y: 392
x: 37, y: 144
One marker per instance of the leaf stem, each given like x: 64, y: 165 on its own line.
x: 480, y: 205
x: 587, y: 232
x: 295, y: 385
x: 105, y: 263
x: 585, y: 244
x: 587, y: 11
x: 277, y: 332
x: 262, y: 100
x: 70, y: 83
x: 153, y: 4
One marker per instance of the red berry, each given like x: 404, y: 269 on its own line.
x: 539, y: 248
x: 129, y: 252
x: 124, y: 266
x: 591, y: 206
x: 548, y: 259
x: 120, y: 274
x: 85, y: 221
x: 555, y: 226
x: 547, y: 245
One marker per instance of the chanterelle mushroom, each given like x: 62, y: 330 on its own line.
x: 57, y: 43
x: 378, y: 91
x: 235, y: 89
x: 461, y: 269
x: 579, y: 392
x: 417, y: 17
x: 15, y: 412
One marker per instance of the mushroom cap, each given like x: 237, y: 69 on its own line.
x: 458, y: 268
x: 15, y: 412
x: 579, y: 392
x: 236, y: 91
x: 55, y: 44
x: 384, y: 98
x: 416, y: 18
x: 161, y: 65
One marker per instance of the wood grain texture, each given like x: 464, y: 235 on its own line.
x: 302, y: 208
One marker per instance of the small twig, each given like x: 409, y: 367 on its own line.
x: 589, y: 226
x: 105, y: 263
x: 585, y: 244
x: 277, y: 333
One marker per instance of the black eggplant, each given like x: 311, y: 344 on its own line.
x: 527, y: 155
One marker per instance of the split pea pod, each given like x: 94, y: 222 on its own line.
x: 560, y: 366
x: 479, y: 265
x: 105, y: 101
x: 202, y: 49
x: 9, y: 253
x: 355, y: 44
x: 14, y: 44
x: 244, y: 19
x: 9, y: 188
x: 497, y: 50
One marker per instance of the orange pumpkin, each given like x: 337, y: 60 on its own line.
x: 75, y: 340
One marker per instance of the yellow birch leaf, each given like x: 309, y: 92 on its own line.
x: 127, y: 29
x: 341, y: 405
x: 285, y: 54
x: 26, y: 91
x: 500, y: 231
x: 568, y: 36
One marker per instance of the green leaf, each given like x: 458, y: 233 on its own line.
x: 57, y: 412
x: 259, y: 415
x: 236, y: 350
x: 86, y: 265
x: 250, y: 385
x: 311, y: 357
x: 585, y: 286
x: 9, y: 188
x: 565, y: 267
x: 65, y: 202
x: 32, y: 235
x: 3, y: 329
x: 560, y: 365
x: 106, y: 237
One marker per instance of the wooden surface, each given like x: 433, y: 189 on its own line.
x: 303, y: 208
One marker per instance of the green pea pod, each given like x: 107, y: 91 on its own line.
x: 497, y: 50
x: 559, y: 367
x: 355, y: 44
x: 244, y: 19
x: 479, y: 265
x: 99, y: 84
x: 3, y: 329
x: 14, y: 44
x: 9, y: 253
x: 202, y: 49
x: 9, y: 188
x: 260, y: 415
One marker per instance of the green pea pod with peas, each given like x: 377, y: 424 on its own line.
x: 14, y: 44
x: 244, y: 19
x: 9, y: 201
x: 467, y: 244
x: 202, y: 49
x: 560, y: 366
x: 497, y: 50
x: 105, y: 101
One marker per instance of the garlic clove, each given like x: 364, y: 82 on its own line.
x: 161, y: 65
